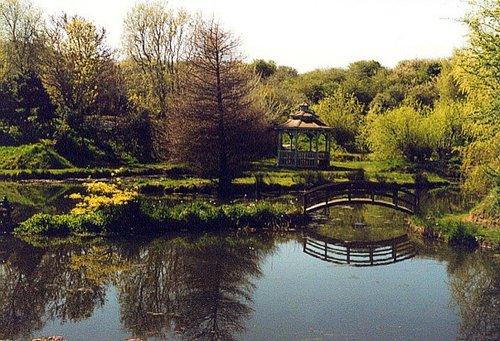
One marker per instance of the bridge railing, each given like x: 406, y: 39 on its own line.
x: 360, y: 191
x: 360, y: 253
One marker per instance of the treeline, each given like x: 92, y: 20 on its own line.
x: 179, y: 90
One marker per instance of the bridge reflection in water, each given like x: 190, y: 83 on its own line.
x: 359, y: 253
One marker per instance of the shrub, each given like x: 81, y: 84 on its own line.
x: 462, y: 235
x: 358, y: 174
x: 45, y: 225
x: 99, y: 195
x: 399, y: 133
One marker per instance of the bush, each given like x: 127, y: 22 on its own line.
x: 60, y: 225
x: 462, y: 235
x: 45, y: 225
x: 400, y: 133
x: 356, y: 175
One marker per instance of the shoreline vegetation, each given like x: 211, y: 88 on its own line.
x: 107, y: 210
x: 113, y: 210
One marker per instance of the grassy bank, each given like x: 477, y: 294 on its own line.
x: 168, y: 170
x: 457, y: 230
x: 146, y: 218
x: 106, y: 209
x: 265, y: 176
x: 33, y: 156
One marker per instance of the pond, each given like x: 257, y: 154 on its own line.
x: 254, y: 286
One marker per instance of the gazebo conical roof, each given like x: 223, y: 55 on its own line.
x: 303, y: 119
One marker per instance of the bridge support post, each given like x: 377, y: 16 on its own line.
x: 395, y: 197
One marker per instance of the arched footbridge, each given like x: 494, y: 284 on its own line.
x: 361, y: 192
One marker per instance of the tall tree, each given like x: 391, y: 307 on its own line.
x: 154, y: 41
x: 21, y: 36
x: 218, y: 129
x: 76, y: 64
x: 478, y: 73
x: 344, y: 113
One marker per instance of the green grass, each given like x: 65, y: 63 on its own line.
x: 456, y: 229
x: 94, y: 173
x: 152, y: 217
x: 262, y: 175
x: 33, y: 156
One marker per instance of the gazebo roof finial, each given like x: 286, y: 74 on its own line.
x: 304, y: 107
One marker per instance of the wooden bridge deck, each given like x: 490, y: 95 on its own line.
x: 361, y: 192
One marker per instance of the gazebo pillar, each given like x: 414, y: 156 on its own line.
x: 296, y: 154
x: 316, y: 136
x: 280, y: 145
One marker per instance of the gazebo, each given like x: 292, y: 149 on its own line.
x: 304, y: 141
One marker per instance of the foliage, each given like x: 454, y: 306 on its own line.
x: 477, y: 71
x: 35, y: 156
x: 100, y: 195
x: 343, y: 112
x: 21, y: 37
x: 400, y: 133
x: 155, y: 40
x: 462, y: 235
x: 76, y: 66
x: 364, y: 79
x: 147, y: 217
x: 488, y: 210
x: 264, y: 69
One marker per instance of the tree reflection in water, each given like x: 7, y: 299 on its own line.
x: 38, y: 285
x: 201, y: 289
x: 192, y: 288
x: 475, y: 290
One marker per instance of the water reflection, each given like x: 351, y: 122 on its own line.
x: 203, y: 287
x: 31, y: 198
x: 200, y: 288
x: 359, y: 253
x: 475, y: 287
x: 37, y: 285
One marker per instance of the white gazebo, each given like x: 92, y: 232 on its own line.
x: 304, y: 141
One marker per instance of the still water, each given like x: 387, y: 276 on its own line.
x: 353, y: 274
x: 247, y: 286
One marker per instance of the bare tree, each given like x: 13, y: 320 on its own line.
x: 153, y: 39
x: 154, y: 42
x: 216, y: 127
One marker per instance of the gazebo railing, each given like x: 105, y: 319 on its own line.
x: 302, y: 158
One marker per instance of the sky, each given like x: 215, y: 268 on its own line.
x: 309, y: 34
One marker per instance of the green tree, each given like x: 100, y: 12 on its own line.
x: 154, y: 39
x: 478, y: 72
x: 263, y: 68
x: 365, y: 79
x: 76, y: 65
x: 399, y: 134
x: 344, y: 113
